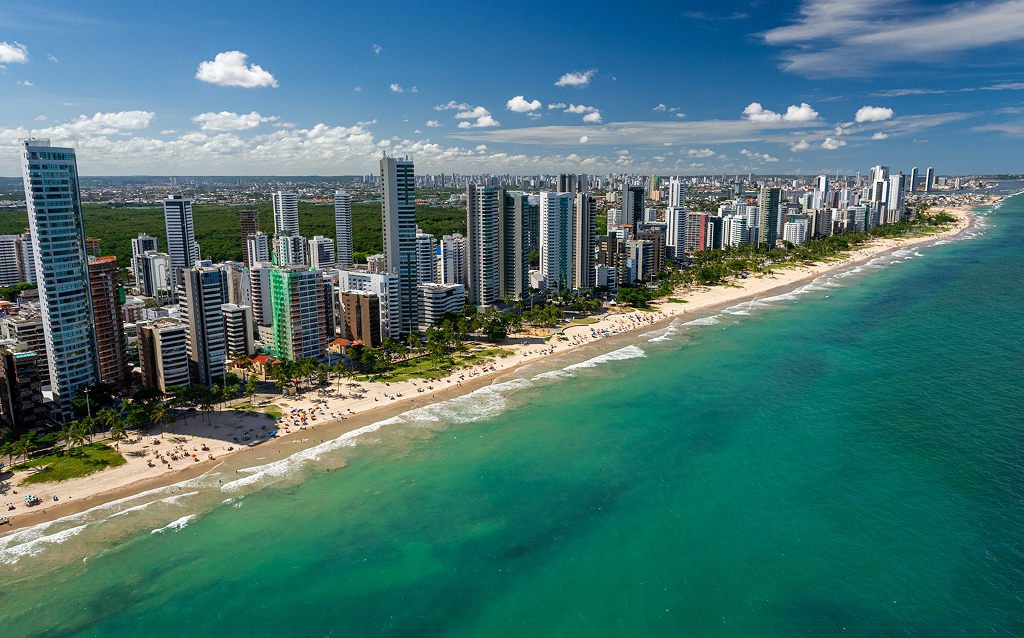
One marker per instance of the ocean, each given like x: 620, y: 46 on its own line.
x: 843, y: 458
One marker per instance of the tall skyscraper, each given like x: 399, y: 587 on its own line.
x: 343, y: 228
x: 632, y: 207
x: 675, y: 235
x: 897, y: 197
x: 878, y: 179
x: 286, y: 213
x: 141, y: 245
x: 398, y: 216
x: 515, y: 215
x: 9, y: 260
x: 484, y: 249
x: 820, y: 199
x: 770, y: 216
x: 58, y: 243
x: 454, y: 269
x: 259, y: 248
x: 913, y: 180
x: 582, y: 183
x: 249, y: 220
x: 290, y: 250
x: 154, y: 275
x: 584, y: 231
x: 26, y: 261
x: 556, y: 239
x: 321, y: 252
x: 929, y: 179
x: 676, y: 193
x: 181, y: 238
x: 565, y: 184
x: 203, y: 293
x: 300, y: 313
x: 106, y: 310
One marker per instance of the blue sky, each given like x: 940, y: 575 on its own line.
x: 530, y: 87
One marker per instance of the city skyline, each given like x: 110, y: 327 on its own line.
x: 800, y: 88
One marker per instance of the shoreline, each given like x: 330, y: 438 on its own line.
x: 366, y: 403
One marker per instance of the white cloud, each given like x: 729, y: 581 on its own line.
x: 418, y: 132
x: 622, y: 152
x: 358, y: 89
x: 397, y: 89
x: 592, y: 118
x: 574, y: 108
x: 768, y: 158
x: 227, y: 121
x: 434, y: 124
x: 481, y: 147
x: 802, y: 145
x: 285, y: 124
x: 384, y: 143
x: 376, y: 49
x: 755, y: 113
x: 746, y: 152
x: 40, y: 118
x: 50, y: 56
x: 482, y: 116
x: 414, y: 90
x: 473, y: 113
x: 579, y: 78
x: 873, y: 114
x: 831, y: 144
x: 704, y: 152
x: 680, y: 114
x: 229, y: 69
x: 25, y: 83
x: 584, y: 139
x: 879, y: 136
x: 556, y: 105
x: 452, y: 105
x: 168, y: 131
x: 802, y: 113
x: 518, y: 104
x: 365, y: 124
x: 660, y: 107
x: 13, y: 53
x: 535, y: 116
x: 836, y: 38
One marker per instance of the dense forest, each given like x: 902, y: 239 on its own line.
x: 218, y: 232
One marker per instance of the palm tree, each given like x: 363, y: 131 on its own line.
x: 88, y: 427
x: 107, y: 417
x: 118, y: 431
x: 158, y: 414
x: 206, y: 402
x: 8, y: 451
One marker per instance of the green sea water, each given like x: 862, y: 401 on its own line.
x: 843, y: 459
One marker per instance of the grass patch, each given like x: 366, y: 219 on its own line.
x: 63, y: 465
x: 274, y: 414
x: 584, y: 320
x: 678, y: 301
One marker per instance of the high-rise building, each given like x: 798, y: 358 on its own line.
x: 259, y: 248
x: 385, y: 286
x: 656, y: 237
x: 582, y: 183
x: 913, y: 180
x: 300, y: 315
x: 360, y: 317
x: 676, y: 192
x: 9, y: 260
x: 632, y: 207
x: 929, y: 179
x: 454, y: 255
x: 696, y: 232
x: 584, y: 227
x: 343, y: 228
x: 794, y: 232
x: 426, y: 258
x: 27, y: 329
x: 897, y: 197
x: 482, y: 236
x: 820, y: 192
x: 26, y: 258
x: 21, y: 398
x: 107, y: 319
x: 54, y: 206
x: 181, y: 239
x: 153, y: 277
x: 675, y: 228
x: 141, y: 245
x: 321, y: 252
x: 878, y: 183
x: 436, y: 300
x: 289, y: 250
x: 238, y: 329
x: 398, y: 216
x: 515, y: 214
x: 556, y: 239
x: 259, y: 284
x: 163, y: 353
x: 565, y: 184
x: 770, y: 216
x: 286, y: 213
x: 249, y: 220
x: 202, y: 296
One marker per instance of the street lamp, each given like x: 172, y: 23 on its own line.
x: 88, y: 410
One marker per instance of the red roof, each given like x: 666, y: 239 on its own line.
x: 341, y: 342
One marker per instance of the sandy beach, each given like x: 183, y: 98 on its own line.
x: 229, y: 440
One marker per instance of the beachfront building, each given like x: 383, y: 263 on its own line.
x: 384, y: 285
x: 454, y: 268
x: 897, y: 198
x: 163, y: 353
x: 286, y: 213
x: 343, y: 228
x: 398, y: 217
x: 696, y: 232
x: 238, y: 329
x: 26, y: 328
x: 300, y: 316
x: 584, y: 229
x: 675, y: 227
x: 249, y: 221
x: 108, y: 322
x: 259, y: 248
x: 483, y: 244
x: 556, y: 239
x: 632, y: 206
x: 58, y: 242
x: 321, y: 252
x: 437, y: 299
x: 199, y: 303
x: 426, y: 258
x: 21, y: 397
x: 181, y: 239
x: 361, y: 318
x: 656, y: 236
x: 516, y: 215
x: 259, y: 286
x: 795, y: 232
x: 639, y: 260
x: 768, y: 202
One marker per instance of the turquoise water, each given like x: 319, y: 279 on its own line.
x: 844, y: 459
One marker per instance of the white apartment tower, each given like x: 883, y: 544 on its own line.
x: 286, y: 213
x: 676, y: 193
x: 820, y: 192
x: 200, y: 306
x: 482, y: 239
x: 343, y: 228
x: 9, y: 260
x: 675, y: 231
x: 181, y: 238
x: 260, y: 248
x: 453, y: 260
x: 26, y: 258
x: 398, y: 216
x: 289, y: 250
x: 50, y: 177
x: 321, y: 252
x: 140, y: 246
x: 556, y: 239
x: 426, y: 258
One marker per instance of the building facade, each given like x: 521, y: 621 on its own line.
x: 556, y: 239
x: 398, y: 217
x: 360, y: 317
x: 437, y: 299
x: 300, y: 316
x: 238, y: 329
x: 202, y: 296
x: 321, y: 252
x: 584, y: 231
x: 108, y: 322
x: 286, y: 213
x: 482, y: 238
x: 163, y: 353
x: 343, y: 229
x: 249, y: 221
x: 181, y: 239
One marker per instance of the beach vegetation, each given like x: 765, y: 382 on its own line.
x: 66, y: 464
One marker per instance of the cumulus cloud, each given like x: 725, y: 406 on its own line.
x: 578, y: 79
x: 591, y: 115
x: 25, y: 83
x: 40, y: 118
x: 873, y: 114
x: 803, y: 113
x: 358, y: 89
x: 622, y: 152
x: 13, y: 53
x: 434, y: 124
x: 556, y: 105
x: 376, y: 49
x: 228, y: 121
x: 364, y: 124
x: 584, y: 139
x: 702, y: 152
x: 831, y: 144
x: 287, y: 124
x: 480, y: 114
x: 168, y: 131
x: 229, y: 69
x: 764, y: 157
x: 802, y: 145
x: 534, y: 116
x: 680, y: 114
x: 397, y: 89
x: 481, y: 147
x: 660, y: 107
x: 879, y: 136
x: 452, y: 105
x: 519, y: 104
